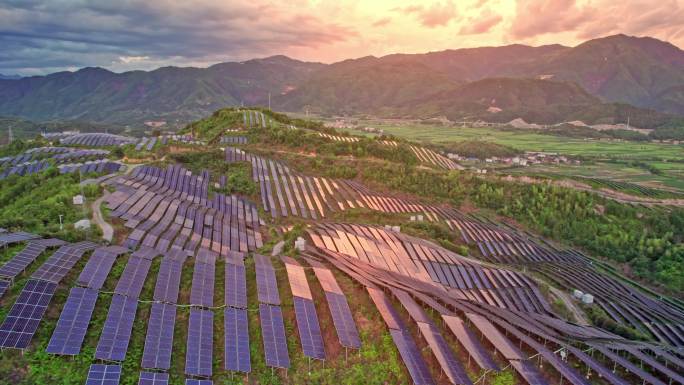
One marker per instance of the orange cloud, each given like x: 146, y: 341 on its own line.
x: 437, y: 14
x: 483, y: 23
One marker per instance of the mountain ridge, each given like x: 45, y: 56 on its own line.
x: 640, y: 71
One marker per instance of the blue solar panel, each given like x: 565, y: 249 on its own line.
x: 445, y: 356
x: 133, y: 277
x: 343, y: 320
x: 153, y: 378
x: 273, y: 333
x: 103, y: 374
x: 22, y: 260
x: 159, y: 338
x: 267, y: 286
x: 237, y: 340
x: 309, y: 329
x: 96, y: 270
x: 23, y: 319
x: 168, y: 281
x: 411, y: 356
x: 202, y: 292
x: 236, y: 286
x: 117, y: 329
x: 200, y: 343
x: 72, y: 326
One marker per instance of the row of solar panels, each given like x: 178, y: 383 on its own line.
x: 147, y: 143
x: 97, y: 166
x: 97, y: 140
x: 253, y: 118
x: 233, y: 140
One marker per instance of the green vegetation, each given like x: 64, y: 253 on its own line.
x: 480, y: 149
x: 35, y: 202
x: 599, y: 318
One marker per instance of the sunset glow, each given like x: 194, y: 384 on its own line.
x: 39, y: 38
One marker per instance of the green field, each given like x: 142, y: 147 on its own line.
x: 528, y: 141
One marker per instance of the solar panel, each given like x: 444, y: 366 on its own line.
x: 198, y: 358
x: 267, y: 286
x: 159, y: 338
x: 116, y: 332
x: 343, y: 320
x: 22, y: 260
x: 153, y: 378
x: 168, y: 281
x: 411, y: 356
x: 236, y: 286
x: 4, y: 285
x: 25, y: 315
x: 445, y: 356
x: 103, y: 374
x: 96, y: 270
x: 62, y: 261
x: 133, y: 277
x: 192, y: 381
x: 273, y: 333
x: 72, y: 325
x: 236, y: 340
x: 470, y: 342
x: 202, y: 292
x: 309, y: 328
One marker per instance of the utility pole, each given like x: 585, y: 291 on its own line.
x: 61, y: 226
x: 11, y: 135
x: 269, y: 100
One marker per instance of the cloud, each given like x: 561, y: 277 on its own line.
x: 382, y: 22
x: 481, y: 24
x: 538, y: 17
x: 49, y: 35
x: 660, y: 19
x: 437, y: 14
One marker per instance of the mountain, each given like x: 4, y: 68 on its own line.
x: 168, y: 93
x: 9, y: 77
x: 607, y: 79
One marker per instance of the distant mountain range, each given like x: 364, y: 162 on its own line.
x: 603, y: 80
x: 9, y: 77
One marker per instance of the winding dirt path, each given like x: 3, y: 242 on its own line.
x: 107, y: 229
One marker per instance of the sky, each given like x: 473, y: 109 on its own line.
x: 40, y: 37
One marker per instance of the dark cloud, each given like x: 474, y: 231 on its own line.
x: 39, y: 37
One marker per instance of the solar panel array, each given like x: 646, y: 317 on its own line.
x: 273, y: 334
x: 200, y: 343
x: 267, y: 286
x: 96, y: 166
x: 338, y: 306
x: 103, y: 374
x: 62, y: 261
x: 169, y: 209
x: 235, y: 282
x: 159, y: 338
x: 202, y: 292
x: 309, y: 328
x: 233, y: 140
x: 22, y: 260
x: 192, y: 381
x: 168, y: 278
x: 133, y: 277
x: 153, y: 378
x: 97, y: 140
x: 237, y: 355
x: 7, y: 239
x: 305, y: 310
x: 117, y: 329
x: 23, y: 319
x: 98, y: 267
x: 68, y: 336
